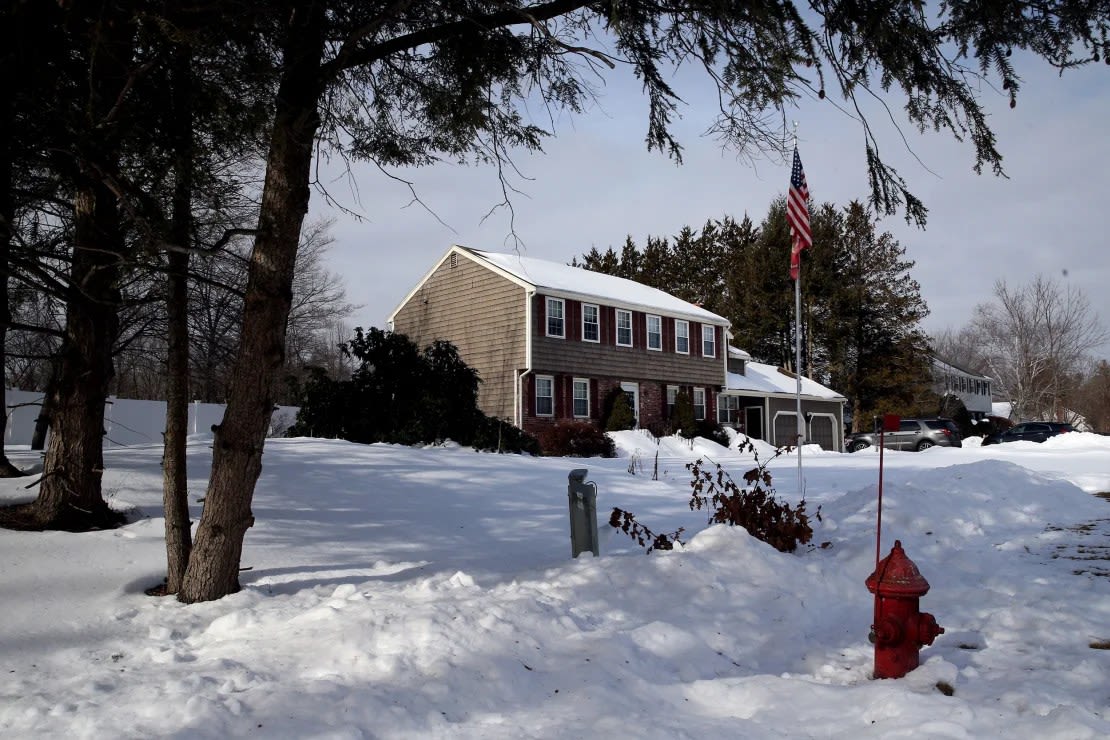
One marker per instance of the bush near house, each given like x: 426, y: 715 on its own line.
x: 576, y: 439
x: 403, y: 395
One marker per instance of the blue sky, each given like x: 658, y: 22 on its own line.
x: 596, y: 184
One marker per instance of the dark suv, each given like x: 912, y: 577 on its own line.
x: 912, y: 434
x: 1029, y: 431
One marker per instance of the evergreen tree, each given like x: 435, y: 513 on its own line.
x: 879, y: 355
x: 655, y: 264
x: 630, y: 261
x: 682, y: 419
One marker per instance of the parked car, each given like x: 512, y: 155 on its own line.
x: 912, y: 434
x: 1029, y: 431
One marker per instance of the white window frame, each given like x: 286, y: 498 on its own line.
x: 562, y: 318
x: 617, y: 328
x: 708, y: 340
x: 585, y: 384
x: 596, y: 323
x: 727, y: 403
x: 671, y: 397
x: 699, y: 392
x: 657, y: 345
x: 550, y: 380
x: 684, y: 334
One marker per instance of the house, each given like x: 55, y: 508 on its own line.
x: 551, y: 342
x: 972, y: 389
x: 762, y: 401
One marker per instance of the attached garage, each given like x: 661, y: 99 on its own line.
x: 761, y: 401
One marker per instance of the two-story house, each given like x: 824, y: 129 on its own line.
x: 550, y: 341
x: 972, y: 389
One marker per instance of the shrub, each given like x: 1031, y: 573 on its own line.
x: 712, y: 430
x: 576, y: 439
x: 403, y: 395
x: 752, y: 507
x: 620, y: 415
x: 682, y: 420
x: 496, y: 435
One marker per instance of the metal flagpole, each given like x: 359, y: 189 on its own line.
x: 798, y: 353
x: 798, y: 373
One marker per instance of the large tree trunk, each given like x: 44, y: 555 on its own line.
x: 175, y: 492
x: 70, y: 494
x: 237, y: 453
x: 8, y: 62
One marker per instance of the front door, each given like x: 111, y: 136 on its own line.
x: 753, y: 422
x: 632, y: 393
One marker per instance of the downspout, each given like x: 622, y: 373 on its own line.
x: 518, y: 391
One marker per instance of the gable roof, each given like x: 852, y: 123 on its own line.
x: 578, y: 283
x: 767, y: 380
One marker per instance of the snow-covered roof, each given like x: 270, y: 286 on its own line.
x: 768, y: 380
x: 562, y: 280
x: 948, y: 367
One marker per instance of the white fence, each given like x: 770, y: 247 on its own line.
x: 128, y: 422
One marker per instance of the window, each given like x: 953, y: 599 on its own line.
x: 672, y: 394
x: 699, y: 403
x: 556, y: 325
x: 728, y: 409
x: 654, y: 332
x: 624, y: 328
x: 682, y: 336
x: 591, y: 328
x: 581, y: 398
x: 545, y: 395
x: 708, y: 341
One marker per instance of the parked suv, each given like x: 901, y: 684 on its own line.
x: 912, y: 434
x: 1029, y: 431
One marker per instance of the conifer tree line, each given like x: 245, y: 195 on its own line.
x: 861, y: 307
x: 142, y: 142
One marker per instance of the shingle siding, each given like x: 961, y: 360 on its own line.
x: 607, y: 359
x: 483, y: 315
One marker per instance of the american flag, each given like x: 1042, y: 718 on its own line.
x: 797, y: 215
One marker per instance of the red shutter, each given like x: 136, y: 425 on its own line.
x: 668, y: 334
x: 595, y: 402
x: 541, y: 315
x: 574, y: 320
x: 695, y: 339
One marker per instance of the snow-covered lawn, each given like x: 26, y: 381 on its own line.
x: 420, y: 593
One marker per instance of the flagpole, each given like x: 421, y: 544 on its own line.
x: 798, y: 355
x: 798, y: 373
x: 801, y: 237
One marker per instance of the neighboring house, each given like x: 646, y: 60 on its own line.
x: 550, y: 341
x: 762, y: 401
x: 973, y: 390
x: 1005, y: 410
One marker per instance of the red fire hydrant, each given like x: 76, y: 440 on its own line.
x: 900, y: 629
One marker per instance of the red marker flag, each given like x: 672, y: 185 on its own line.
x: 797, y: 215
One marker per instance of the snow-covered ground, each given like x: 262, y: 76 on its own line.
x: 391, y: 592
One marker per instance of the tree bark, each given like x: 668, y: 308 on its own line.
x: 213, y: 570
x: 175, y: 492
x: 7, y: 205
x: 70, y: 493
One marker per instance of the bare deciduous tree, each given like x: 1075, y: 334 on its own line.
x: 1034, y: 341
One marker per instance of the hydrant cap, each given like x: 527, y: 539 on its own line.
x: 897, y: 575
